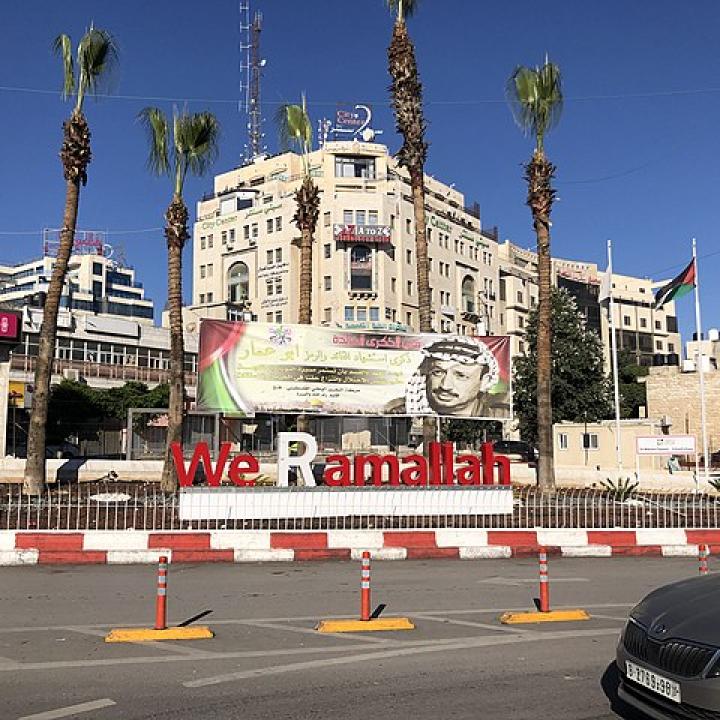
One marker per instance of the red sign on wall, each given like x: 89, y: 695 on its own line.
x: 10, y: 326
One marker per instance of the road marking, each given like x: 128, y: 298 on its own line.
x: 313, y: 618
x: 312, y: 631
x: 399, y: 652
x: 486, y: 626
x: 517, y: 582
x: 70, y: 710
x: 180, y: 649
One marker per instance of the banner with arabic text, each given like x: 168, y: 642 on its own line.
x: 248, y: 368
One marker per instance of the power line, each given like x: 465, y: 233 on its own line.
x: 107, y: 232
x: 384, y: 102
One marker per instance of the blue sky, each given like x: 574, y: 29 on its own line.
x: 636, y: 148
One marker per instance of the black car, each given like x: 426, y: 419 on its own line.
x: 516, y: 450
x: 669, y: 652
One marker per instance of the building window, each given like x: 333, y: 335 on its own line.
x: 348, y: 217
x: 409, y: 287
x: 232, y: 238
x: 671, y: 323
x: 643, y: 322
x: 468, y: 294
x: 210, y: 270
x: 408, y: 225
x: 408, y: 256
x: 270, y: 256
x: 408, y: 319
x: 626, y: 320
x: 671, y: 347
x: 361, y: 315
x: 326, y: 219
x: 327, y: 315
x: 202, y: 298
x: 590, y: 441
x: 327, y: 250
x: 520, y: 296
x: 209, y: 297
x: 202, y: 271
x: 278, y: 255
x: 372, y: 217
x: 97, y: 269
x: 255, y: 231
x: 361, y: 268
x: 521, y: 346
x: 269, y: 287
x: 393, y: 284
x: 202, y: 242
x: 374, y: 314
x: 278, y: 286
x: 246, y: 232
x: 562, y: 441
x: 269, y: 225
x: 658, y: 345
x: 355, y: 167
x: 269, y: 317
x: 278, y: 316
x: 658, y: 325
x: 327, y: 282
x: 360, y: 217
x: 349, y: 313
x: 223, y: 237
x: 278, y: 224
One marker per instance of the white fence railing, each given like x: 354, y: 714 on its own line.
x: 95, y: 506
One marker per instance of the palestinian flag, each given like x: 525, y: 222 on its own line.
x: 676, y: 288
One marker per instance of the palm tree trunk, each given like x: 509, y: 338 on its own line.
x: 75, y: 156
x: 305, y: 315
x: 417, y: 185
x: 306, y: 216
x: 539, y: 174
x: 176, y: 234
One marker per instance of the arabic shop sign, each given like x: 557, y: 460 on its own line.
x: 362, y: 233
x: 440, y: 224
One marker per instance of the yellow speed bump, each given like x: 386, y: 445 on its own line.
x: 518, y: 618
x: 341, y: 626
x: 132, y: 635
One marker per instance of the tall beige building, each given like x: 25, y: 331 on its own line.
x: 246, y: 256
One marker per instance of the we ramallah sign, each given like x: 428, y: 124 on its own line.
x: 442, y: 483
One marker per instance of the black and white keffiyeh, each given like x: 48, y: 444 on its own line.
x: 453, y: 348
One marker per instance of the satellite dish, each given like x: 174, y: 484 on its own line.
x: 368, y: 135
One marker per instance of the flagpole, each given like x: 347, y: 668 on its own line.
x: 701, y: 359
x: 613, y: 351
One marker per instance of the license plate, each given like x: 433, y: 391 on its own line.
x: 651, y: 680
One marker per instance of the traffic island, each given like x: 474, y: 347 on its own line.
x: 519, y: 618
x: 134, y: 635
x: 378, y: 624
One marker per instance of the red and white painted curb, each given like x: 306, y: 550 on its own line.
x: 136, y: 546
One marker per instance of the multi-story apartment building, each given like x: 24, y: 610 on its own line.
x: 95, y: 284
x: 246, y: 257
x: 650, y: 335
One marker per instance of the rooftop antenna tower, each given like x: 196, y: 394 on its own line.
x: 251, y: 65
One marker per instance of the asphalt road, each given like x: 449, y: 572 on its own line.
x: 267, y: 661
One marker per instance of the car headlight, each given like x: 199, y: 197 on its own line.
x: 715, y: 667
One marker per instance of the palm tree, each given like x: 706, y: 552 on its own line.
x: 187, y: 145
x: 536, y: 99
x: 96, y: 57
x: 406, y: 90
x: 295, y: 128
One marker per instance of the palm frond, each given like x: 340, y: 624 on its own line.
x: 62, y: 46
x: 156, y: 125
x: 97, y: 57
x: 294, y: 127
x: 404, y: 8
x: 536, y: 99
x: 196, y: 138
